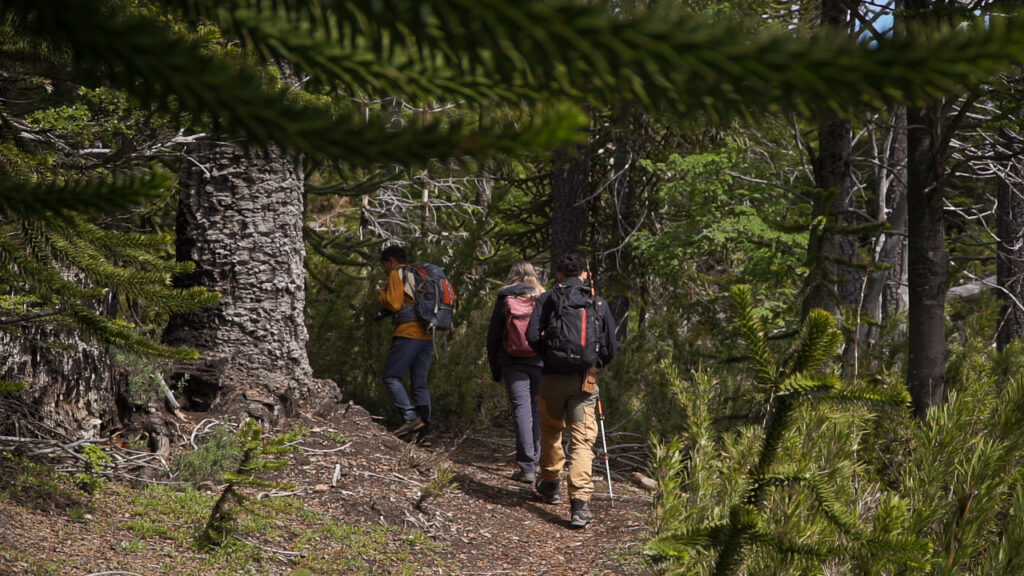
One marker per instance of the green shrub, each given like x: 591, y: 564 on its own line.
x: 217, y: 455
x: 38, y: 486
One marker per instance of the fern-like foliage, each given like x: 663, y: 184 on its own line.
x: 259, y: 455
x: 655, y: 58
x: 94, y: 195
x: 63, y: 268
x: 744, y: 526
x: 491, y: 51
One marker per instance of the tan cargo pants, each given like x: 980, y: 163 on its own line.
x: 561, y: 403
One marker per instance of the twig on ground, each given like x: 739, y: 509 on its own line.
x: 395, y: 477
x: 319, y: 451
x: 269, y: 549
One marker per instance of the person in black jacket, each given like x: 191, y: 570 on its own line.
x: 569, y: 399
x: 519, y: 370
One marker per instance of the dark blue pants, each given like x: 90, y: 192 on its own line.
x: 412, y: 356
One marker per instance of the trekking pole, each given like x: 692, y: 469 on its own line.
x: 604, y: 442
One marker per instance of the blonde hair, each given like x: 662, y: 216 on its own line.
x: 523, y: 272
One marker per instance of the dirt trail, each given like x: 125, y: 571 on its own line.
x: 352, y: 469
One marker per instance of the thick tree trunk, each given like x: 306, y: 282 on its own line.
x: 570, y: 188
x: 1010, y: 257
x: 240, y: 220
x: 926, y: 259
x: 73, y: 387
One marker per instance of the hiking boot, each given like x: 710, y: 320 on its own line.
x: 581, y: 514
x: 425, y: 440
x: 524, y: 476
x: 548, y: 492
x: 409, y: 426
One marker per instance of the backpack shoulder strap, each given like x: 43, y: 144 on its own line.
x: 408, y: 274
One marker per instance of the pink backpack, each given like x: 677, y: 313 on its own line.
x: 518, y: 308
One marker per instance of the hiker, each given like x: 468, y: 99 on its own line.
x: 412, y: 348
x: 515, y: 364
x: 568, y: 389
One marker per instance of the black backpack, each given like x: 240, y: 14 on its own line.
x: 433, y: 298
x: 573, y: 334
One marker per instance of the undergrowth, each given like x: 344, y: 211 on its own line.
x: 841, y: 487
x: 40, y: 487
x: 315, y: 542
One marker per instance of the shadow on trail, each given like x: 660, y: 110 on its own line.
x: 512, y: 497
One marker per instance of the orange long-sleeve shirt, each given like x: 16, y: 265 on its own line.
x: 392, y: 297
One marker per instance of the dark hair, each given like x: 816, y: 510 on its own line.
x: 396, y: 252
x: 572, y: 263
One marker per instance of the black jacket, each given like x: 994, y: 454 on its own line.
x: 542, y: 312
x: 496, y: 355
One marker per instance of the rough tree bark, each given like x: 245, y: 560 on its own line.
x: 832, y: 281
x: 73, y: 386
x: 240, y: 220
x: 926, y: 256
x: 570, y: 187
x: 1010, y: 251
x: 895, y: 298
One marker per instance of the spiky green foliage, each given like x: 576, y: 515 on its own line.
x: 92, y: 195
x: 958, y: 472
x: 61, y: 268
x: 784, y: 509
x: 423, y: 49
x: 149, y: 59
x: 259, y: 455
x: 70, y: 254
x: 657, y: 57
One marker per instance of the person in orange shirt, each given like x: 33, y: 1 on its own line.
x: 412, y: 348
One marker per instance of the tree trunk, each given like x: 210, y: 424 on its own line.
x: 895, y: 298
x: 1010, y: 255
x: 832, y: 281
x: 885, y: 295
x: 240, y: 220
x: 926, y: 258
x: 73, y: 387
x: 570, y: 188
x: 627, y: 183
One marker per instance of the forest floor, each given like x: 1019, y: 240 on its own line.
x: 359, y: 501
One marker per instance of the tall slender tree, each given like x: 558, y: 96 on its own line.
x: 832, y: 280
x: 1010, y: 229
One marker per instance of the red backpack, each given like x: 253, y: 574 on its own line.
x: 518, y: 309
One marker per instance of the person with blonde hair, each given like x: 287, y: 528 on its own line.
x: 515, y: 364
